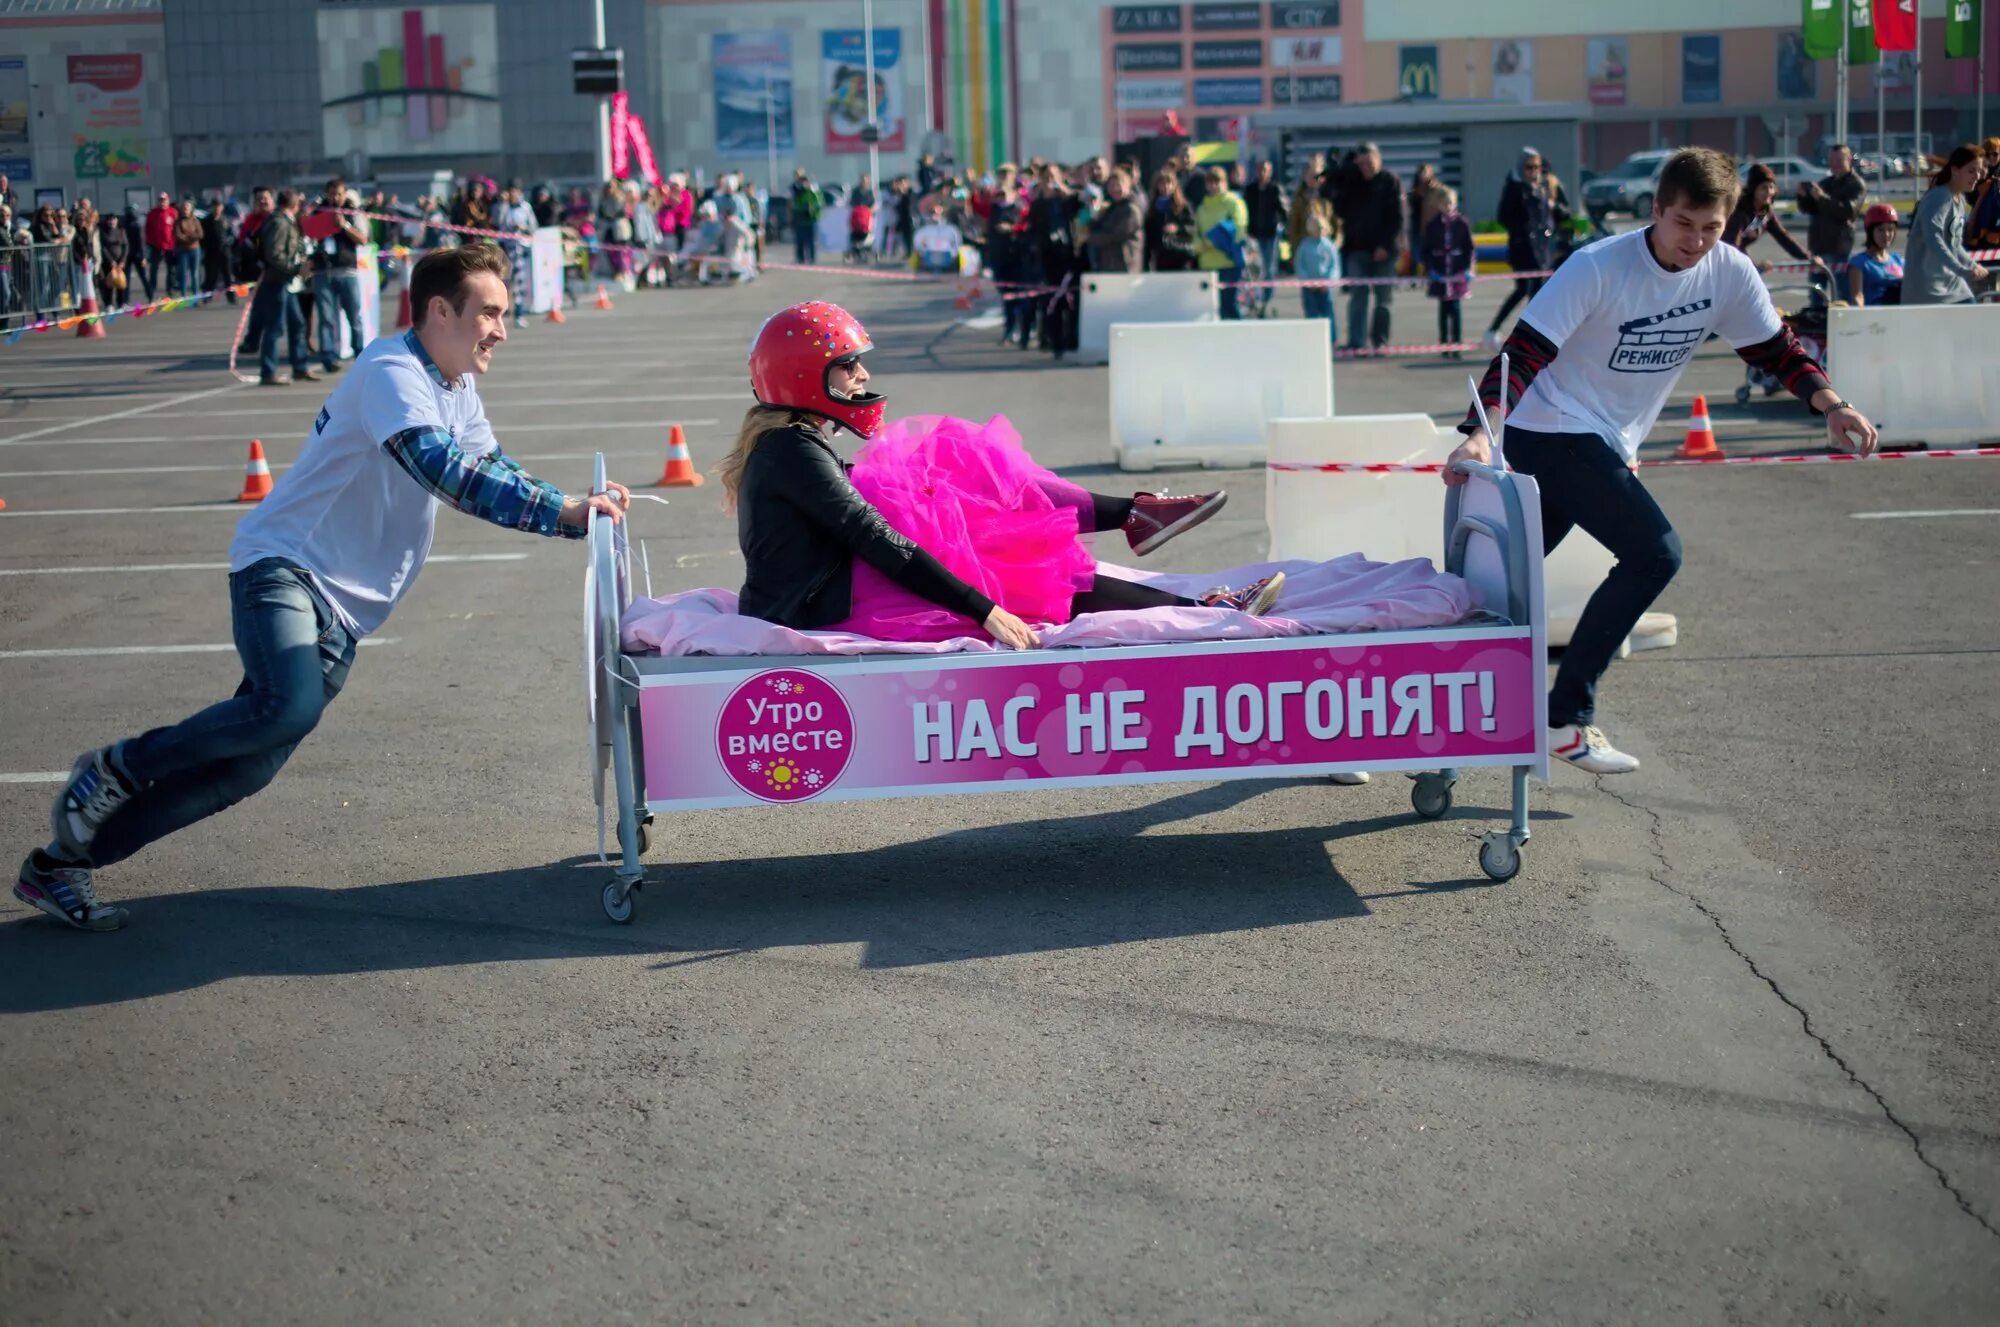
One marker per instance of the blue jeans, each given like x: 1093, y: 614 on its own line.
x: 295, y: 657
x: 1229, y: 293
x: 1319, y: 304
x: 187, y: 271
x: 1361, y: 327
x: 1268, y: 251
x: 277, y: 310
x: 332, y: 293
x: 156, y: 259
x: 1586, y: 485
x: 805, y: 241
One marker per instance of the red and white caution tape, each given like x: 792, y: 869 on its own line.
x: 1437, y: 467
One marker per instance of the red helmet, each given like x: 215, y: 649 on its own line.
x: 793, y: 357
x: 1881, y: 215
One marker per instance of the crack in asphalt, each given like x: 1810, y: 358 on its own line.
x: 1805, y: 1018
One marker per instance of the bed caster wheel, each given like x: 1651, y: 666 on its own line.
x: 1430, y: 795
x: 645, y: 836
x: 1499, y: 856
x: 618, y: 901
x: 1743, y: 395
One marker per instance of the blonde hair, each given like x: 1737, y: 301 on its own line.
x: 760, y: 419
x: 1316, y: 224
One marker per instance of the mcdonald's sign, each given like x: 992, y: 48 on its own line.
x: 1417, y: 77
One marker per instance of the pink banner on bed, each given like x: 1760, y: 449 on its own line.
x: 891, y: 727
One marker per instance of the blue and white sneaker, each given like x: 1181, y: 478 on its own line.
x: 66, y: 893
x: 94, y: 791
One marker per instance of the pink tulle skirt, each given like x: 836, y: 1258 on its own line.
x: 970, y: 496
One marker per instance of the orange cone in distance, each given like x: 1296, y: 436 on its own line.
x: 680, y: 471
x: 603, y: 297
x: 256, y: 475
x: 555, y: 315
x: 1700, y: 444
x: 92, y: 325
x: 403, y: 307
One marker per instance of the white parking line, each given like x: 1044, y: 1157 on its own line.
x: 1919, y: 515
x: 45, y: 776
x: 505, y: 430
x: 151, y: 649
x: 291, y: 411
x: 275, y: 466
x: 121, y: 414
x: 224, y: 566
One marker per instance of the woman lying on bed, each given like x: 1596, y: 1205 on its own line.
x: 940, y: 525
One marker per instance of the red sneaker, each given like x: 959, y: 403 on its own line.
x: 1156, y: 518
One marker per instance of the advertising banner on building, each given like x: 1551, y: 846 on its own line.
x: 416, y: 82
x: 751, y: 69
x: 16, y: 162
x: 1821, y: 29
x: 844, y: 55
x: 1287, y: 15
x: 1607, y: 67
x: 1150, y: 94
x: 107, y: 114
x: 1514, y: 71
x: 1417, y: 73
x: 1701, y: 69
x: 1798, y: 71
x: 1305, y: 52
x: 1896, y: 71
x: 1145, y: 18
x: 1305, y: 90
x: 1236, y: 17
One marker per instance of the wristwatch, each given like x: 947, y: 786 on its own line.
x: 1839, y: 405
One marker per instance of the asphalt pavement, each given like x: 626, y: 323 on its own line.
x: 1725, y: 1050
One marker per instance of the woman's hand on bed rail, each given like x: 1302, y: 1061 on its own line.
x: 612, y: 503
x: 1004, y: 627
x: 1476, y: 447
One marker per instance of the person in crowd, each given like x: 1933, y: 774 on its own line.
x: 1449, y: 258
x: 1264, y: 201
x: 1368, y: 198
x: 1006, y: 220
x: 187, y: 249
x: 937, y: 242
x: 85, y: 256
x: 9, y: 251
x: 1835, y: 205
x: 1581, y: 394
x: 1170, y: 241
x: 114, y: 251
x: 516, y: 217
x: 1306, y: 200
x: 1423, y: 200
x: 1316, y: 258
x: 901, y: 240
x: 825, y: 544
x: 807, y: 205
x: 249, y: 261
x: 1937, y: 267
x: 473, y: 208
x: 1193, y: 178
x: 315, y: 568
x: 1754, y: 218
x: 927, y: 173
x: 1117, y: 239
x: 1982, y: 211
x: 1221, y: 226
x: 1875, y: 275
x: 1053, y: 228
x: 614, y: 230
x: 215, y: 248
x: 676, y: 212
x: 283, y: 257
x: 135, y: 242
x: 160, y: 246
x: 543, y: 202
x: 1535, y: 212
x: 8, y: 198
x: 336, y: 274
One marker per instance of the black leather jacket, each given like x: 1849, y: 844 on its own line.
x: 801, y: 524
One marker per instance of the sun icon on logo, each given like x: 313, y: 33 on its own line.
x: 814, y: 778
x: 782, y: 776
x: 756, y: 767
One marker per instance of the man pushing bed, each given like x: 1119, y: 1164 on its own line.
x: 313, y: 569
x: 1590, y: 364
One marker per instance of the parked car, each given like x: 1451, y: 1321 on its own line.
x: 1628, y: 187
x: 1791, y: 172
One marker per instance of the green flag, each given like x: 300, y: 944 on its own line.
x: 1822, y: 28
x: 1861, y: 33
x: 1961, y: 28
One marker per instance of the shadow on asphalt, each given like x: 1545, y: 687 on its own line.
x: 1072, y: 883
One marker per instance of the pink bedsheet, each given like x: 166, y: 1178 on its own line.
x: 1347, y: 594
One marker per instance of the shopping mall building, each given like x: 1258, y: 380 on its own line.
x: 101, y: 96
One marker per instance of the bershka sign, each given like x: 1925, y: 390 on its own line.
x: 1148, y: 55
x: 1290, y: 14
x: 1227, y: 18
x: 1145, y: 18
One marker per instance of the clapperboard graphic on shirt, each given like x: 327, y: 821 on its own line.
x: 1646, y: 347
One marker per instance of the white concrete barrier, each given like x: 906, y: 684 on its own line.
x: 1395, y: 516
x: 1921, y: 372
x: 1200, y: 393
x: 1146, y: 297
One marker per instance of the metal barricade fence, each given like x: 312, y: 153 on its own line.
x: 37, y: 281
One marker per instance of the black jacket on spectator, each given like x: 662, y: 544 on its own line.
x: 1370, y: 211
x: 801, y: 524
x: 1836, y: 213
x: 112, y: 241
x: 1117, y: 240
x: 1164, y: 252
x: 1532, y: 221
x: 1267, y: 209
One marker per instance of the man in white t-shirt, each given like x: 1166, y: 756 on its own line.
x: 313, y: 569
x: 1591, y: 363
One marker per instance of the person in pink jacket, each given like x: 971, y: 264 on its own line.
x: 676, y: 213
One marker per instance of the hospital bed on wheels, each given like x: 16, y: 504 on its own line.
x: 673, y: 733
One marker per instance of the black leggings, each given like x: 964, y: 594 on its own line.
x: 1524, y: 288
x: 1108, y: 594
x: 1451, y: 324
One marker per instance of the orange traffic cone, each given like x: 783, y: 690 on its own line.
x: 256, y: 475
x: 3, y: 504
x: 603, y: 297
x: 680, y: 471
x: 403, y: 307
x: 92, y: 326
x: 1700, y: 444
x: 555, y: 315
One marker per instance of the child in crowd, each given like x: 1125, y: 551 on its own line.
x: 1448, y: 258
x: 860, y: 234
x: 1318, y: 260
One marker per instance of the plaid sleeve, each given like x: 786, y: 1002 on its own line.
x: 491, y: 487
